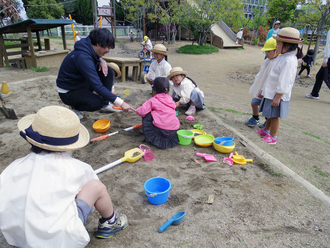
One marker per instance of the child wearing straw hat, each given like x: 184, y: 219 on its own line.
x: 159, y: 66
x: 185, y: 91
x: 277, y: 88
x: 47, y: 196
x: 160, y: 123
x: 270, y: 51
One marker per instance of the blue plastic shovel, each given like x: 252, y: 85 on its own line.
x: 175, y: 220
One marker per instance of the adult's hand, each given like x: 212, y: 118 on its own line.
x: 104, y: 67
x: 324, y: 64
x: 126, y: 107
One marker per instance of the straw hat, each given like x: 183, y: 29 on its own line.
x: 176, y: 71
x: 54, y: 128
x: 116, y: 68
x: 159, y: 48
x: 289, y: 35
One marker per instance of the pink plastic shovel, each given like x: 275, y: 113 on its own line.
x: 228, y: 160
x: 207, y: 157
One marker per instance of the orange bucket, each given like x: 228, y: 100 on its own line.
x: 101, y: 126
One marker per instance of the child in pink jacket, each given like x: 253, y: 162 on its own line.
x: 160, y: 123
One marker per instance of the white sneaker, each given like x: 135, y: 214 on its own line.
x: 298, y: 76
x: 312, y: 97
x: 191, y: 110
x: 309, y: 76
x: 109, y: 109
x: 77, y: 112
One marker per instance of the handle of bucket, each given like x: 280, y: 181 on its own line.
x: 152, y: 195
x: 145, y: 146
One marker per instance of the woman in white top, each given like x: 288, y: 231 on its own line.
x: 185, y: 91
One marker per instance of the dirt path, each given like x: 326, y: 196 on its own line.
x: 254, y: 206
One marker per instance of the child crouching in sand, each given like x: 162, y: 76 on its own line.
x: 159, y: 120
x: 47, y: 196
x: 186, y: 92
x: 277, y: 88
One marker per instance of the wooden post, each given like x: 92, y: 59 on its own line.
x: 94, y: 7
x: 63, y: 37
x: 114, y: 17
x: 33, y: 55
x: 144, y: 21
x: 38, y: 40
x: 2, y: 47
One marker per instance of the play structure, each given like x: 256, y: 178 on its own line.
x: 29, y: 52
x: 223, y: 37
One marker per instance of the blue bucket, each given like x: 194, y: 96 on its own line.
x: 157, y: 190
x: 228, y: 141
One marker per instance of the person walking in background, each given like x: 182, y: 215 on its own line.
x: 307, y: 63
x: 323, y: 73
x: 239, y: 35
x: 274, y: 30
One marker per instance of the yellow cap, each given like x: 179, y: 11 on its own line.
x: 145, y: 38
x: 270, y: 45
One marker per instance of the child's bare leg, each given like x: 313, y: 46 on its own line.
x: 275, y: 126
x: 94, y: 193
x: 255, y: 109
x: 268, y: 124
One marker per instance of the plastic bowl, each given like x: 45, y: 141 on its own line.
x: 223, y: 149
x: 101, y: 126
x: 197, y: 132
x: 227, y: 141
x: 204, y: 140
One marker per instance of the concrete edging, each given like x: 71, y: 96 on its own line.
x: 266, y: 157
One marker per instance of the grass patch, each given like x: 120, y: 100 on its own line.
x: 8, y: 43
x: 275, y: 173
x: 321, y: 173
x: 59, y: 43
x: 240, y: 48
x: 40, y: 69
x: 316, y: 137
x: 231, y: 111
x: 194, y: 49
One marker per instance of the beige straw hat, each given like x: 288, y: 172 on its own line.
x: 159, y: 48
x: 176, y: 71
x: 54, y: 128
x: 289, y: 35
x: 116, y: 68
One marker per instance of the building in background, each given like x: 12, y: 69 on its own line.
x: 250, y: 5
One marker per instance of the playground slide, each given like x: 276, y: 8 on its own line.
x: 223, y: 37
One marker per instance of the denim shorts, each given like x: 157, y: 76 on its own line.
x: 83, y: 210
x: 256, y: 101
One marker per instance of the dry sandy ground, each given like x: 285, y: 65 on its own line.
x: 254, y: 205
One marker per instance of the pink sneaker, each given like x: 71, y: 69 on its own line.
x: 262, y: 132
x: 269, y: 139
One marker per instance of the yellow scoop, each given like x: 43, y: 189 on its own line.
x: 239, y: 159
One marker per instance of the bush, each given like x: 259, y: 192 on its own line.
x: 40, y: 69
x: 263, y: 31
x: 246, y: 34
x: 194, y: 49
x: 255, y: 41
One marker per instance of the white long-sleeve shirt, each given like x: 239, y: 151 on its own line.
x: 281, y: 77
x: 326, y: 51
x: 161, y: 69
x: 37, y: 206
x: 261, y: 77
x: 184, y: 90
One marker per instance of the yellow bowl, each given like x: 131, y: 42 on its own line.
x: 197, y: 132
x: 101, y: 126
x: 204, y: 140
x: 223, y: 149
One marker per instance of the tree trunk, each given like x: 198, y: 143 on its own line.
x: 320, y: 29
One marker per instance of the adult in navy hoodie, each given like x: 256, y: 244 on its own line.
x: 83, y: 71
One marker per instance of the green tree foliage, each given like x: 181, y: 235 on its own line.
x: 199, y: 15
x: 84, y: 12
x: 69, y: 7
x: 282, y: 10
x: 43, y: 9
